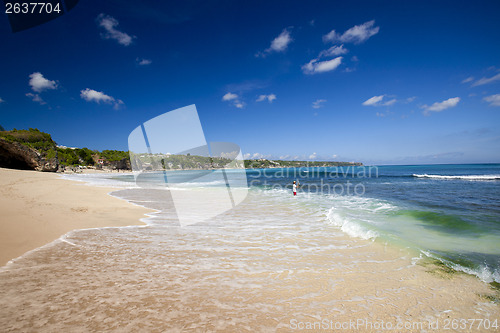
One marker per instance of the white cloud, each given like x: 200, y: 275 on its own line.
x: 410, y: 99
x: 469, y: 79
x: 373, y: 101
x: 333, y: 51
x: 1, y: 100
x: 256, y: 156
x: 109, y: 24
x: 270, y: 98
x: 377, y: 101
x: 118, y: 104
x: 229, y: 97
x: 38, y: 83
x: 312, y: 156
x: 91, y: 95
x: 390, y: 102
x: 494, y: 100
x: 357, y: 34
x: 383, y: 114
x: 313, y: 66
x: 36, y: 98
x: 485, y: 80
x: 143, y: 62
x: 318, y: 103
x: 278, y: 44
x: 440, y: 106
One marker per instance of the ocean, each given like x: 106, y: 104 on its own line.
x: 447, y: 212
x: 349, y: 246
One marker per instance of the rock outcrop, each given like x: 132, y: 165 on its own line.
x: 14, y: 155
x: 123, y: 164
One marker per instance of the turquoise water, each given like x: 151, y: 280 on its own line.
x: 447, y: 212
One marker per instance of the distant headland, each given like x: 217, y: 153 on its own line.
x: 35, y: 150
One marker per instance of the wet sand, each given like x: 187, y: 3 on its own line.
x: 276, y: 272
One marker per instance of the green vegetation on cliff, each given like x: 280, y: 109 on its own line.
x: 264, y: 163
x: 113, y: 155
x: 75, y: 156
x: 32, y: 138
x: 43, y: 143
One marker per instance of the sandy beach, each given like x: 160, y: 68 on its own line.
x: 38, y: 208
x: 245, y: 273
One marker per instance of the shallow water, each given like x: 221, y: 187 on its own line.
x: 266, y: 265
x: 274, y: 262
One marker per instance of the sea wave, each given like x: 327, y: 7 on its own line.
x: 464, y: 177
x: 483, y: 272
x: 349, y: 226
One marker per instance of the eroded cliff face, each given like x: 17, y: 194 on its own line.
x: 14, y: 155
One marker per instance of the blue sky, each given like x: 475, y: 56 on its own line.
x: 380, y: 82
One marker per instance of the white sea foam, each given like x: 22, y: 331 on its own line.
x: 483, y: 272
x: 102, y: 179
x: 464, y: 177
x: 348, y: 226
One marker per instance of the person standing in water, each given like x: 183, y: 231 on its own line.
x: 294, y: 188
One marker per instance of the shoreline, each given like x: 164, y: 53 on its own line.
x: 38, y: 208
x: 106, y: 279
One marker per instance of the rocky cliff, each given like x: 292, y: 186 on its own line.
x: 14, y: 155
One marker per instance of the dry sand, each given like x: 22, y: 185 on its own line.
x: 111, y: 281
x: 38, y: 208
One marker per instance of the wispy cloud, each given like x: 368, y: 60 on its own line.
x: 379, y: 101
x: 143, y: 62
x: 234, y: 99
x: 229, y: 97
x: 318, y: 103
x: 91, y: 95
x: 278, y: 44
x: 1, y: 100
x: 469, y: 79
x: 333, y: 51
x: 390, y: 102
x: 38, y: 83
x: 109, y: 24
x: 494, y: 100
x: 36, y: 98
x: 373, y: 101
x: 357, y: 34
x: 383, y: 114
x: 314, y: 66
x: 255, y: 156
x: 270, y: 98
x: 486, y: 80
x: 440, y: 106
